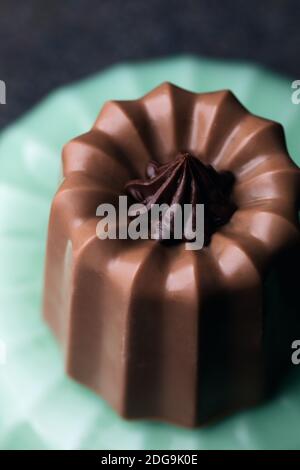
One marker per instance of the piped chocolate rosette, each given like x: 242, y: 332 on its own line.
x: 159, y: 331
x: 186, y: 180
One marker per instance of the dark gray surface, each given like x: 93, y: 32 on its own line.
x: 44, y: 43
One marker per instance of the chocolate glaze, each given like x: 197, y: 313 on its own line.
x: 159, y: 331
x: 186, y: 180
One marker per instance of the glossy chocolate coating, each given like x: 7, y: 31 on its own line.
x: 159, y: 331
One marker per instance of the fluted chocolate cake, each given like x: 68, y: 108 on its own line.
x: 160, y: 331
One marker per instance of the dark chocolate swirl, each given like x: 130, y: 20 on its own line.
x: 186, y: 180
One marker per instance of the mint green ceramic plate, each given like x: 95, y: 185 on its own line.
x: 39, y: 407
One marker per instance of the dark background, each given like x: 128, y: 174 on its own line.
x: 44, y: 43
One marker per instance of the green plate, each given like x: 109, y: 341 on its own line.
x: 40, y: 408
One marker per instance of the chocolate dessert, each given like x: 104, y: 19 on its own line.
x: 159, y: 331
